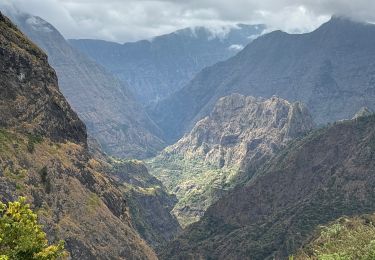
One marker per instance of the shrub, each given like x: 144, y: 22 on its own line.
x: 21, y: 237
x: 32, y: 140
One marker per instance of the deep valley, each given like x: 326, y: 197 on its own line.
x: 204, y: 138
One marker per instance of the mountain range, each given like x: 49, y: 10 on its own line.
x: 271, y: 141
x: 160, y: 66
x: 330, y: 70
x: 96, y: 204
x: 106, y: 105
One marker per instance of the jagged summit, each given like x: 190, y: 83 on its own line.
x: 223, y: 137
x: 364, y: 111
x: 226, y: 147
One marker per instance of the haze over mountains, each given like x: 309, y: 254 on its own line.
x: 268, y: 144
x: 106, y: 105
x: 330, y: 70
x: 158, y: 67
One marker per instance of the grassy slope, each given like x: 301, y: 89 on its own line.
x: 72, y: 197
x: 345, y: 238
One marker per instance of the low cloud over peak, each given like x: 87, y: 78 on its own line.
x: 130, y: 20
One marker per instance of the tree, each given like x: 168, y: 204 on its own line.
x: 21, y: 237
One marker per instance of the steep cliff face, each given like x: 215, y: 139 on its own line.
x: 315, y: 180
x: 106, y: 105
x: 241, y: 126
x: 44, y: 156
x: 30, y: 99
x: 158, y: 67
x: 330, y: 70
x: 225, y: 148
x: 150, y: 205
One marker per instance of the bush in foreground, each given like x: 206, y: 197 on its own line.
x: 21, y: 237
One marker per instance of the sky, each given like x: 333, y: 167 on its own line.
x: 131, y: 20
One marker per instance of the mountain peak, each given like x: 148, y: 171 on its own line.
x: 240, y: 134
x: 364, y: 111
x: 340, y: 21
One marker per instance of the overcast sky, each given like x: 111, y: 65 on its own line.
x: 130, y: 20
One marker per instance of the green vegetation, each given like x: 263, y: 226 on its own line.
x: 21, y: 237
x: 32, y: 141
x: 93, y: 201
x: 345, y: 239
x: 45, y: 180
x: 196, y: 183
x: 4, y: 136
x: 7, y: 140
x: 15, y: 175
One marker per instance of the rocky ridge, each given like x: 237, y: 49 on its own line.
x: 30, y: 100
x: 315, y: 180
x: 239, y: 135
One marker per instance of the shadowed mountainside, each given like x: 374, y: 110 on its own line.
x: 315, y: 180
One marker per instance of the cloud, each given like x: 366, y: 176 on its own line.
x: 129, y: 20
x: 236, y: 47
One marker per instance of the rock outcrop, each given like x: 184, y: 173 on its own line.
x: 30, y: 99
x: 225, y: 148
x: 315, y: 180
